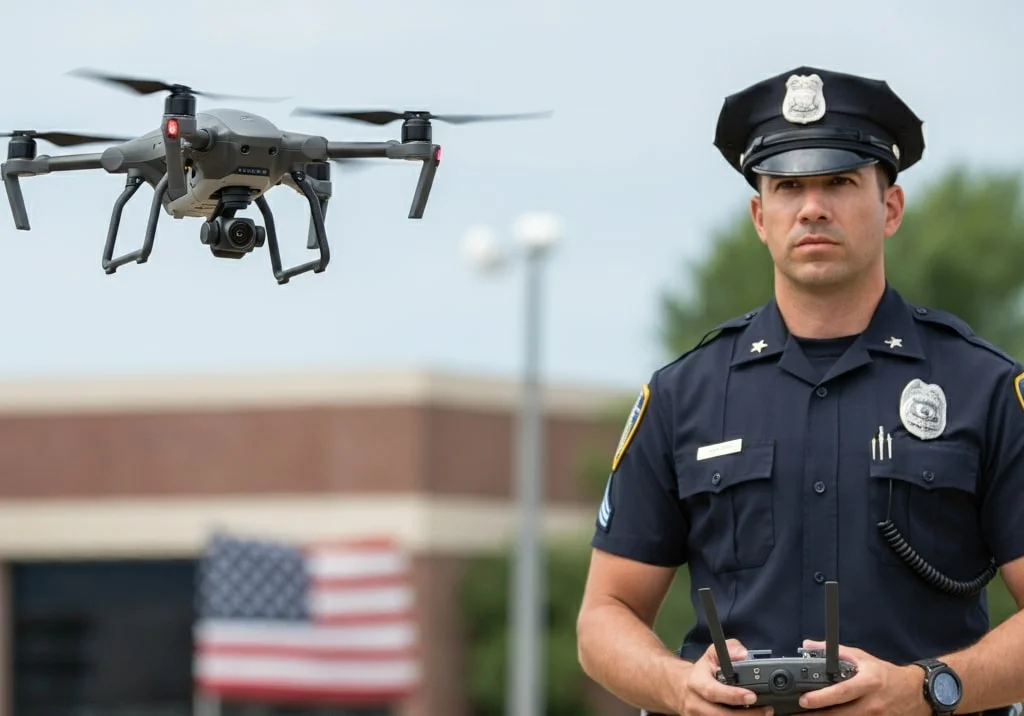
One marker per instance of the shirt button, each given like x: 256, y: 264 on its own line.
x: 819, y: 487
x: 928, y: 475
x: 716, y: 478
x: 819, y: 577
x: 822, y: 391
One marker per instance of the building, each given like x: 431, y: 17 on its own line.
x: 109, y: 489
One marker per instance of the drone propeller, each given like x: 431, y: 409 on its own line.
x: 384, y: 116
x: 146, y: 86
x: 63, y: 139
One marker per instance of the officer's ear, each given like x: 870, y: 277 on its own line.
x: 757, y: 211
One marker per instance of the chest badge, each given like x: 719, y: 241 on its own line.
x: 923, y: 409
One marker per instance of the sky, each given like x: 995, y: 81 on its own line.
x: 626, y: 162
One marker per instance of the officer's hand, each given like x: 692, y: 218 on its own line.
x: 878, y: 687
x: 704, y: 695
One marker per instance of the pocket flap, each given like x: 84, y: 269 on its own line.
x: 753, y: 462
x: 930, y: 464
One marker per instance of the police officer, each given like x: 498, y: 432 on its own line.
x: 820, y: 437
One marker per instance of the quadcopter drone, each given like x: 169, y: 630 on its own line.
x: 215, y: 163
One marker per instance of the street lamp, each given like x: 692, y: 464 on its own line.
x: 537, y: 233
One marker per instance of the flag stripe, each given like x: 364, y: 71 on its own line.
x: 295, y: 672
x: 398, y: 634
x: 334, y: 602
x: 262, y: 693
x: 307, y: 652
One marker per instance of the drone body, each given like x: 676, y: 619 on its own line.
x: 215, y: 163
x: 234, y: 149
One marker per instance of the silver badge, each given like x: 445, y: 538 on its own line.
x: 923, y: 409
x: 805, y: 100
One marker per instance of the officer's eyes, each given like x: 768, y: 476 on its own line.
x: 786, y: 185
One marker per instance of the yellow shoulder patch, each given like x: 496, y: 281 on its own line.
x: 1016, y: 389
x: 632, y: 422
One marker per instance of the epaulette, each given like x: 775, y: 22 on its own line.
x: 959, y: 326
x: 719, y: 330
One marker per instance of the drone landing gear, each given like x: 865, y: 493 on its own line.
x: 319, y: 232
x: 139, y: 256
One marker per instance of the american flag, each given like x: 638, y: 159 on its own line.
x: 324, y: 622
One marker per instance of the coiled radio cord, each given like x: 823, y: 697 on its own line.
x: 926, y: 571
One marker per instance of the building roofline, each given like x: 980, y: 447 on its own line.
x: 419, y: 387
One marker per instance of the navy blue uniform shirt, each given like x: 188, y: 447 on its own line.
x: 764, y: 463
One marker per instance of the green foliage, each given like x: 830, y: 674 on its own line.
x: 485, y: 606
x: 960, y: 248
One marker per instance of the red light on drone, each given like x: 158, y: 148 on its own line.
x: 437, y: 155
x: 172, y: 128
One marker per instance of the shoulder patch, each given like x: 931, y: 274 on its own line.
x: 636, y: 414
x: 960, y: 327
x: 1017, y: 389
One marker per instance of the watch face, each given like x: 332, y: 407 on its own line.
x: 945, y: 688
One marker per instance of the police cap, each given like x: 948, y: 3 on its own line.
x: 813, y: 121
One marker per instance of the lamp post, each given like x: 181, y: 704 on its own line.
x: 537, y: 233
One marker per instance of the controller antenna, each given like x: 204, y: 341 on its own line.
x: 717, y: 636
x: 832, y: 629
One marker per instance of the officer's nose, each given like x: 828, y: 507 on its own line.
x: 815, y: 206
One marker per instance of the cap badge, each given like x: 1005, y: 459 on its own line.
x: 804, y: 101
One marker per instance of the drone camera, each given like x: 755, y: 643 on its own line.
x: 232, y: 237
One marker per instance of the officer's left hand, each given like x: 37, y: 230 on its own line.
x: 878, y: 687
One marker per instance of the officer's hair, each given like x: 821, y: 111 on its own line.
x: 880, y: 174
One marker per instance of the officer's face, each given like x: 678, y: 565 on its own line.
x: 827, y: 231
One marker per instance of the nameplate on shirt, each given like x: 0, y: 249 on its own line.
x: 727, y: 448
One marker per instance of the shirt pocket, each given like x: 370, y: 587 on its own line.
x: 729, y: 502
x: 932, y: 502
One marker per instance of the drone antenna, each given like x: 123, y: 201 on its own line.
x: 832, y: 628
x: 717, y: 635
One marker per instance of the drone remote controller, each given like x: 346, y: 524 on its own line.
x: 779, y: 681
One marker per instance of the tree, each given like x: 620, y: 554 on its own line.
x: 960, y: 248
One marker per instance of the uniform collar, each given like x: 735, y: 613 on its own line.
x: 891, y: 332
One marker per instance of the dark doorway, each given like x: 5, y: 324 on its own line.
x: 105, y: 638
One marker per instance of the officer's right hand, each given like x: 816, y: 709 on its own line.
x: 704, y: 695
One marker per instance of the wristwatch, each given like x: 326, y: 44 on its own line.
x: 942, y: 687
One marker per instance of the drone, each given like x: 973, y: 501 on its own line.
x: 216, y: 163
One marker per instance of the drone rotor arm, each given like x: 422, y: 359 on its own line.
x: 362, y: 150
x: 14, y: 169
x: 426, y: 152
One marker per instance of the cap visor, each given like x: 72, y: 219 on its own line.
x: 811, y: 162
